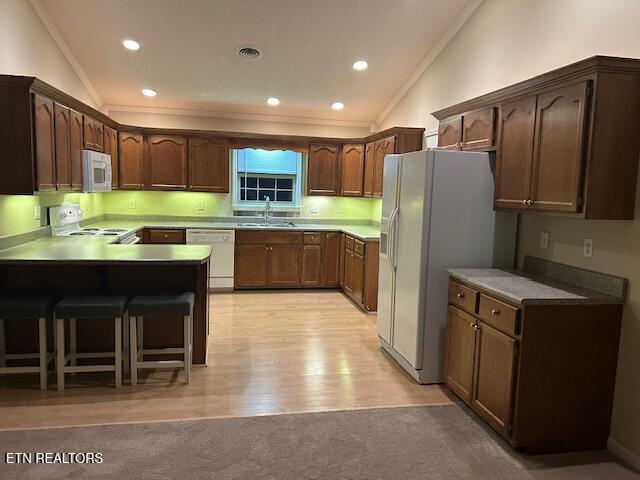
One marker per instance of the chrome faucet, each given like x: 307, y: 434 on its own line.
x: 267, y: 209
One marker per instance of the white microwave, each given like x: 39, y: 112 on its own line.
x: 96, y: 171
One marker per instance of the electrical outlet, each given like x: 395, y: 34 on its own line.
x: 132, y: 204
x: 313, y: 208
x: 201, y: 205
x: 544, y: 240
x: 587, y: 249
x: 36, y: 212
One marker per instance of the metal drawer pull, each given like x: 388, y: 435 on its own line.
x: 461, y: 295
x: 495, y: 312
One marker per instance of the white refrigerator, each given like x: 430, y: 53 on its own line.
x: 437, y: 213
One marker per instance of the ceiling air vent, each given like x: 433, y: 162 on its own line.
x: 249, y: 52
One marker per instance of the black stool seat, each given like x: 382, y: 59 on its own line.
x: 172, y: 304
x: 13, y: 308
x: 95, y: 306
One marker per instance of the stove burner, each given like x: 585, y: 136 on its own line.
x: 83, y: 233
x: 109, y: 234
x: 90, y: 229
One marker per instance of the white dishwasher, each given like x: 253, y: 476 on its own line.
x: 222, y: 253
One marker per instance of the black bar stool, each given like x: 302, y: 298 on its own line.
x: 177, y: 304
x: 87, y: 307
x: 26, y: 308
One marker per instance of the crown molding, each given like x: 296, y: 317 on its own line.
x: 236, y: 116
x: 431, y: 56
x: 66, y: 51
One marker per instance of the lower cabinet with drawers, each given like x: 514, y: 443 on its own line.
x: 541, y: 375
x: 359, y: 272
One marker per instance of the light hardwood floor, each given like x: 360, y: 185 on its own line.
x: 269, y: 353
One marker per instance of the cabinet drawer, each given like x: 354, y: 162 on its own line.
x: 499, y: 315
x: 358, y: 246
x: 462, y: 296
x: 314, y: 238
x: 166, y: 236
x: 267, y: 237
x: 348, y: 242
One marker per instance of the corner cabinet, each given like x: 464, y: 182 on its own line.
x: 323, y: 170
x: 541, y: 375
x: 374, y: 164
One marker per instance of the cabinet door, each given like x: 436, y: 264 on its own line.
x: 357, y: 279
x: 62, y: 147
x: 352, y: 168
x: 131, y: 161
x: 312, y: 265
x: 450, y: 133
x: 514, y: 158
x: 369, y: 167
x: 459, y: 353
x: 77, y: 144
x: 167, y: 162
x: 495, y: 369
x: 44, y: 138
x: 111, y: 148
x: 558, y: 149
x: 384, y: 147
x: 478, y: 130
x: 341, y: 259
x: 98, y: 141
x: 208, y: 165
x: 251, y: 265
x: 371, y: 273
x: 348, y: 271
x: 284, y: 265
x: 331, y: 260
x: 323, y: 170
x: 90, y: 127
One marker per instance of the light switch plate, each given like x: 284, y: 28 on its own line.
x: 587, y: 249
x: 544, y: 240
x: 313, y: 208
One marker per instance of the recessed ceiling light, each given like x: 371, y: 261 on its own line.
x: 273, y: 101
x: 131, y: 45
x: 337, y: 105
x: 360, y: 65
x: 149, y: 92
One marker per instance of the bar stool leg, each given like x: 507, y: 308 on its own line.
x: 60, y: 352
x: 118, y: 345
x: 72, y: 343
x: 133, y: 350
x: 55, y: 344
x: 187, y: 349
x: 125, y: 342
x: 3, y: 346
x: 140, y: 344
x: 42, y: 327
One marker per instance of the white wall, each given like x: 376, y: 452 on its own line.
x: 506, y: 41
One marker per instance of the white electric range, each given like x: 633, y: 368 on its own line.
x: 65, y: 222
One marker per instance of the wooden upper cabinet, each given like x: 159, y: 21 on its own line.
x: 369, y: 167
x: 167, y: 162
x: 62, y: 146
x: 323, y: 170
x: 478, y: 129
x: 208, y: 164
x: 450, y: 133
x: 514, y: 160
x: 352, y: 168
x: 131, y: 159
x: 77, y: 145
x: 459, y: 352
x: 93, y: 134
x: 558, y: 153
x: 331, y: 256
x: 386, y: 146
x: 43, y: 118
x: 111, y: 148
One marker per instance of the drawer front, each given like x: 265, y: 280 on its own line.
x: 462, y: 296
x: 348, y: 242
x: 314, y: 238
x: 166, y: 236
x: 499, y: 315
x: 358, y: 246
x: 267, y: 237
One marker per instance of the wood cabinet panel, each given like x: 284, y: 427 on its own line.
x: 460, y: 352
x: 93, y: 134
x: 462, y: 296
x: 43, y: 118
x: 514, y: 160
x: 478, y: 129
x: 208, y: 164
x: 386, y: 146
x: 312, y: 238
x: 369, y: 167
x: 371, y: 268
x: 76, y: 145
x: 311, y: 265
x: 166, y: 236
x: 131, y: 159
x: 62, y: 129
x: 284, y: 265
x: 499, y: 315
x: 348, y: 272
x: 167, y: 162
x: 352, y: 168
x: 450, y: 133
x: 111, y: 148
x: 495, y: 364
x: 558, y: 149
x: 357, y: 279
x: 342, y: 258
x: 323, y: 170
x: 269, y: 237
x: 251, y: 266
x: 331, y: 259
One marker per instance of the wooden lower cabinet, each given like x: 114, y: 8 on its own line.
x: 251, y: 266
x: 284, y: 265
x: 312, y: 265
x: 542, y: 376
x: 359, y: 272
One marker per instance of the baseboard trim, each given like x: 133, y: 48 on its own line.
x: 624, y: 454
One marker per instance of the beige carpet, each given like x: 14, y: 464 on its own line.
x: 432, y: 443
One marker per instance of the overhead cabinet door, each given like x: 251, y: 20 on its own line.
x: 323, y: 170
x: 208, y: 165
x: 131, y: 161
x: 167, y: 167
x: 45, y: 153
x: 62, y: 147
x: 76, y: 140
x: 352, y: 167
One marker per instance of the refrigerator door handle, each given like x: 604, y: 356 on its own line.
x: 391, y: 248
